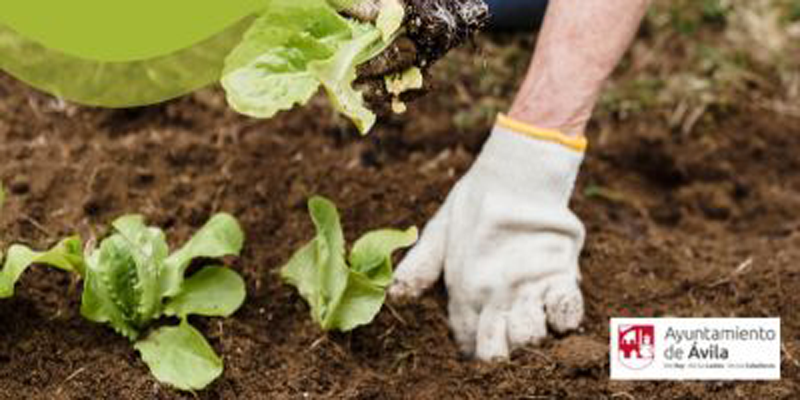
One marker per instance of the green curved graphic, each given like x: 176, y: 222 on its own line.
x: 117, y: 84
x: 123, y: 53
x: 136, y: 53
x: 119, y: 30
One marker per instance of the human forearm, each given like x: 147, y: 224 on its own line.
x: 579, y: 46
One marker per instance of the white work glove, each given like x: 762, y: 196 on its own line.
x: 507, y: 243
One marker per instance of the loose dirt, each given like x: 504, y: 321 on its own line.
x: 670, y: 217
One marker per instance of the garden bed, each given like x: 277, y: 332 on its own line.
x: 670, y: 216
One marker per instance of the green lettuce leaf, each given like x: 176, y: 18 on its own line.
x: 269, y: 71
x: 338, y: 74
x: 180, y: 356
x: 66, y: 256
x: 131, y: 280
x: 358, y: 305
x: 318, y: 270
x: 105, y: 299
x: 148, y: 249
x: 343, y: 297
x: 213, y: 292
x: 296, y: 47
x: 128, y: 278
x: 122, y: 279
x: 372, y: 253
x: 221, y: 236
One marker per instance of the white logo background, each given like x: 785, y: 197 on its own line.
x: 677, y: 354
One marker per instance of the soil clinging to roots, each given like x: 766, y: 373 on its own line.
x: 438, y: 26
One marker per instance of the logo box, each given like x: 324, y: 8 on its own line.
x: 695, y: 348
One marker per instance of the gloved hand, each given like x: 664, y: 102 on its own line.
x: 507, y: 243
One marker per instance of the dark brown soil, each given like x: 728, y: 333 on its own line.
x: 670, y: 216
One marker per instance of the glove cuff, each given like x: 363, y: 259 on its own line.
x: 575, y: 143
x: 538, y: 164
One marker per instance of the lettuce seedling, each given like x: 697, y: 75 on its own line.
x: 341, y: 296
x: 132, y: 280
x: 296, y: 47
x: 66, y: 256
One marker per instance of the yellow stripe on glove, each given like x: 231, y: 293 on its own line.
x: 574, y: 143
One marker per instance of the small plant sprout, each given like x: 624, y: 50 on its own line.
x: 132, y: 280
x: 344, y: 293
x: 66, y: 256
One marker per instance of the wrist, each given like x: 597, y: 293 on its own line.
x: 572, y: 126
x: 566, y: 114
